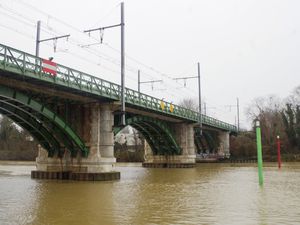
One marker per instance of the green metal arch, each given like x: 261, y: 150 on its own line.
x: 162, y: 129
x: 53, y: 129
x: 37, y: 135
x: 162, y: 141
x: 157, y: 134
x: 57, y: 123
x: 32, y: 125
x: 207, y: 137
x: 209, y: 141
x: 201, y: 142
x: 147, y: 136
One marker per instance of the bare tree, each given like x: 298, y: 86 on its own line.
x: 268, y: 111
x: 294, y: 98
x: 189, y: 103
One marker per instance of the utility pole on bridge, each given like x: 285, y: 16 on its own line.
x: 200, y: 102
x: 38, y: 40
x: 237, y: 112
x: 101, y: 29
x: 145, y: 82
x: 199, y: 88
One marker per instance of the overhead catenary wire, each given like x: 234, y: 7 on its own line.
x: 147, y: 70
x: 76, y: 29
x: 17, y: 31
x: 106, y: 68
x: 89, y: 61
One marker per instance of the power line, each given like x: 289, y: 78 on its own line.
x: 17, y: 31
x: 103, y: 55
x: 106, y: 14
x: 76, y: 29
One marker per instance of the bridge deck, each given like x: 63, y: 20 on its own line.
x: 29, y: 66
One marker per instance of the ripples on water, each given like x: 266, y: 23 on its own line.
x: 208, y: 194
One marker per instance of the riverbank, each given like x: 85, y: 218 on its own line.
x: 17, y: 163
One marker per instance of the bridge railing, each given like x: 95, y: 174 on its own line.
x: 29, y: 65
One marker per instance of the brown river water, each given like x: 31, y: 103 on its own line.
x: 207, y: 194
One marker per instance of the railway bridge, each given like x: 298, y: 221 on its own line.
x: 74, y: 117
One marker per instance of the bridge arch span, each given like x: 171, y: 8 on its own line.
x: 34, y: 127
x: 157, y: 133
x: 207, y: 141
x: 52, y: 132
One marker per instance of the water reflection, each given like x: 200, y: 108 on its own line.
x: 208, y: 194
x: 17, y: 196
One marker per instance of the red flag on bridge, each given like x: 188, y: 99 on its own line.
x: 49, y: 66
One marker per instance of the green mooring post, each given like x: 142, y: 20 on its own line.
x: 259, y: 153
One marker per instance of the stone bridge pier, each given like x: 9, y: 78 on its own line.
x: 184, y: 136
x: 94, y: 123
x: 224, y: 148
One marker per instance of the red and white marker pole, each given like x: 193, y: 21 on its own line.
x: 278, y: 152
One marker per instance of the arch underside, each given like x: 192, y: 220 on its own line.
x: 208, y: 141
x: 51, y: 131
x: 157, y: 134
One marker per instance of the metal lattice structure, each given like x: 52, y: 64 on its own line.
x: 27, y: 65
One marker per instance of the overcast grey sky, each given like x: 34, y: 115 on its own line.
x: 247, y: 49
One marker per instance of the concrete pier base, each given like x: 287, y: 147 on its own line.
x: 100, y: 163
x: 168, y: 165
x: 170, y: 161
x: 69, y: 175
x: 68, y: 168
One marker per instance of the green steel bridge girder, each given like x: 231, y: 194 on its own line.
x: 209, y: 138
x: 42, y: 113
x: 27, y: 66
x: 53, y: 129
x: 148, y: 137
x: 159, y: 139
x: 36, y: 129
x: 202, y: 143
x: 52, y: 132
x: 157, y: 133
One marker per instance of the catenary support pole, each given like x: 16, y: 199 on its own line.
x: 122, y: 66
x: 37, y: 43
x: 200, y: 110
x: 122, y: 25
x: 139, y: 81
x: 38, y: 38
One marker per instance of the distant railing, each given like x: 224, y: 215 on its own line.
x: 16, y: 61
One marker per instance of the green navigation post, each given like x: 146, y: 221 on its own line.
x: 259, y: 153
